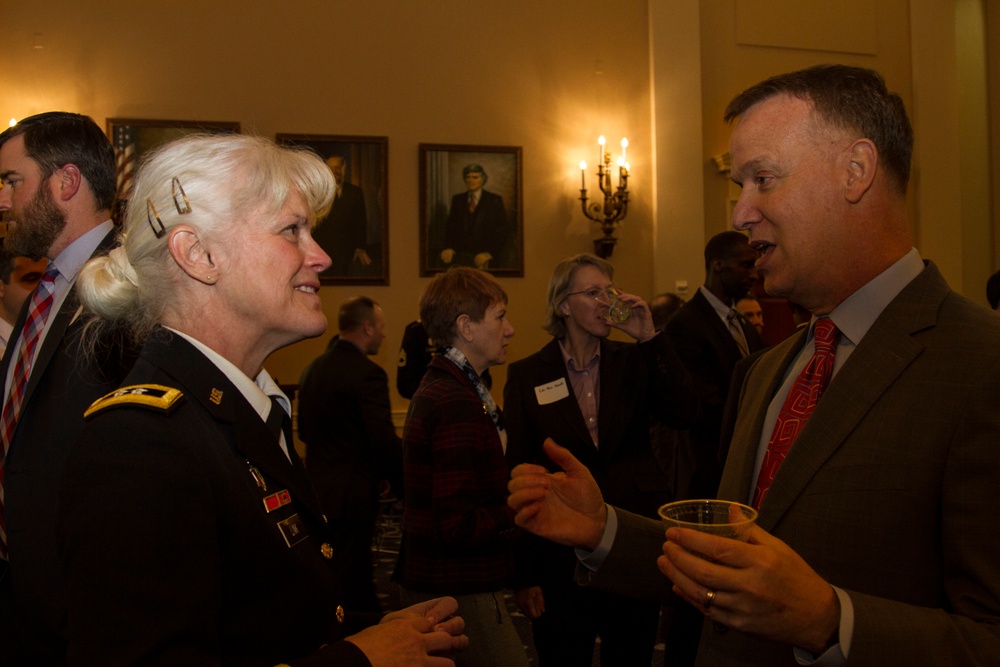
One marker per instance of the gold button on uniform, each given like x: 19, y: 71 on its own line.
x: 326, y: 550
x: 340, y: 614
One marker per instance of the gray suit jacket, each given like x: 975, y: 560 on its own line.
x: 889, y: 492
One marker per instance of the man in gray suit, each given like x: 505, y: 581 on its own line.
x: 875, y: 541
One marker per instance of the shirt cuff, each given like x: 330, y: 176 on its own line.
x: 836, y: 655
x: 592, y: 560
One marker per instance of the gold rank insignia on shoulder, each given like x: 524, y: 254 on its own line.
x: 155, y: 396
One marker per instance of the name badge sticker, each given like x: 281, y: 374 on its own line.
x: 551, y: 392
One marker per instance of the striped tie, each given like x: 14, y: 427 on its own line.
x: 38, y: 314
x: 733, y: 320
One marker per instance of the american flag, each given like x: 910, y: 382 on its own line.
x: 124, y: 159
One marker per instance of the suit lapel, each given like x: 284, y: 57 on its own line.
x: 56, y: 332
x: 883, y: 354
x: 554, y: 368
x: 723, y: 339
x: 763, y: 380
x: 610, y: 412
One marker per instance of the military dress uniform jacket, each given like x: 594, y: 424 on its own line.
x: 187, y: 535
x: 889, y: 492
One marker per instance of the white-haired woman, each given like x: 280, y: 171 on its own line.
x: 190, y: 534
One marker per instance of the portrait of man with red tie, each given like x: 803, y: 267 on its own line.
x: 477, y: 226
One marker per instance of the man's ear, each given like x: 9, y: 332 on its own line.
x: 463, y: 325
x: 190, y: 253
x: 69, y: 180
x: 861, y: 169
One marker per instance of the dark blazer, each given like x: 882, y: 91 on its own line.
x: 63, y: 383
x: 889, y: 491
x: 344, y: 229
x: 346, y: 421
x: 187, y: 535
x: 484, y: 230
x: 458, y: 530
x: 705, y: 345
x: 637, y: 381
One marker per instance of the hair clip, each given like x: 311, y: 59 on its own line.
x: 150, y: 215
x: 175, y: 189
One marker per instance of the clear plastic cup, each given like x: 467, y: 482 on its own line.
x: 718, y: 517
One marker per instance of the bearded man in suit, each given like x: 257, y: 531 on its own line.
x: 59, y: 180
x: 874, y: 542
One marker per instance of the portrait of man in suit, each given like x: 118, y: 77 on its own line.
x: 343, y: 233
x: 355, y: 231
x: 476, y: 231
x: 470, y: 209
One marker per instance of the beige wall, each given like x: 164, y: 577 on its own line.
x: 516, y: 73
x: 548, y: 76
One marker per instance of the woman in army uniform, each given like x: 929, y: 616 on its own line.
x: 190, y: 533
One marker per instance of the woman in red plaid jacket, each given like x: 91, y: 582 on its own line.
x: 458, y: 531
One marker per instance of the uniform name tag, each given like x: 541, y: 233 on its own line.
x: 293, y: 530
x: 276, y: 500
x: 551, y: 392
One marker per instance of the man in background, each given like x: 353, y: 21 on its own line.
x: 749, y: 307
x: 343, y: 233
x: 710, y: 337
x: 663, y: 306
x: 353, y: 453
x: 58, y: 175
x: 18, y: 278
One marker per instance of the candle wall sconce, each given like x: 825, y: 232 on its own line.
x: 610, y: 212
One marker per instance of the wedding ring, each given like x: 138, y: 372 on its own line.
x: 709, y: 599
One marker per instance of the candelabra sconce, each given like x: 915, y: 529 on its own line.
x: 610, y: 212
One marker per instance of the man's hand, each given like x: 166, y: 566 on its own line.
x: 530, y: 601
x: 482, y: 260
x: 761, y: 587
x: 423, y: 634
x: 447, y: 255
x: 361, y: 257
x: 565, y: 507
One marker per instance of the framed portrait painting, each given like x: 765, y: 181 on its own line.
x: 355, y: 233
x: 470, y: 209
x: 134, y: 136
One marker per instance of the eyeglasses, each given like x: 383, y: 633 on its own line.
x: 596, y: 293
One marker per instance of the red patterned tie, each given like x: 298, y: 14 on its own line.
x: 798, y: 405
x: 472, y: 203
x: 38, y: 313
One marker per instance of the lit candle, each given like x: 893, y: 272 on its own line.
x: 583, y: 175
x: 600, y: 142
x: 624, y: 146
